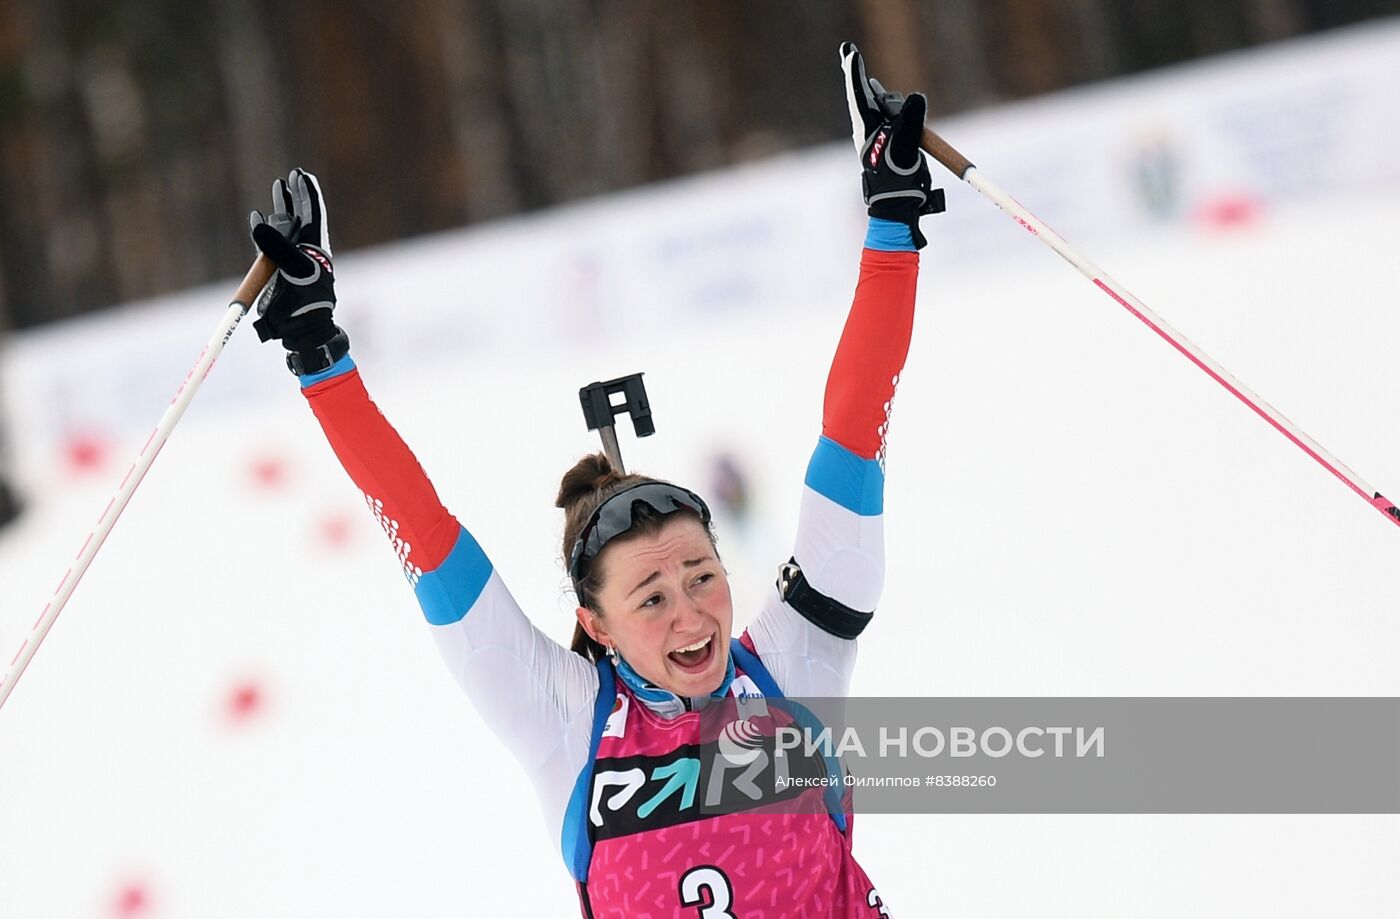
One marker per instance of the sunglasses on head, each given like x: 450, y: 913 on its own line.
x: 618, y: 514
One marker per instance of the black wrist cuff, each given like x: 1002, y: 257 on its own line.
x: 314, y: 360
x: 820, y: 610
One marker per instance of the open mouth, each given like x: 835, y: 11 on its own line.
x: 694, y: 658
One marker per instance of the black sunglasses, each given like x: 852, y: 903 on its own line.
x: 617, y: 515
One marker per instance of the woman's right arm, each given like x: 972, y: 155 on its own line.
x: 536, y: 695
x: 489, y: 644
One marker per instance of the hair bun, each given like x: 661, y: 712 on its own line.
x: 588, y: 476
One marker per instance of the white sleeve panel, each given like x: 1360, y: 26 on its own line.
x: 842, y: 555
x: 803, y: 659
x: 536, y: 695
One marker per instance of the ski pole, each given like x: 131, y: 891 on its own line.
x: 253, y: 283
x: 963, y: 168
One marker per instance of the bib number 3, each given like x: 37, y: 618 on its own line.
x: 709, y: 889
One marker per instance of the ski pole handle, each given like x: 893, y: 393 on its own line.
x: 962, y: 167
x: 941, y: 150
x: 253, y: 282
x: 259, y: 273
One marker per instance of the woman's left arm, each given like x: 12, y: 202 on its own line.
x: 826, y: 596
x: 806, y: 636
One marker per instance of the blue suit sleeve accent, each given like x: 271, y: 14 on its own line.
x: 855, y: 483
x: 889, y: 236
x: 344, y: 365
x: 447, y: 592
x: 573, y: 839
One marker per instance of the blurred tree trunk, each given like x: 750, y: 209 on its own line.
x: 470, y: 56
x: 628, y: 148
x: 1094, y: 54
x: 894, y: 50
x: 259, y: 127
x: 50, y: 228
x: 961, y: 76
x: 369, y: 112
x: 14, y: 104
x: 1274, y: 19
x: 1030, y: 51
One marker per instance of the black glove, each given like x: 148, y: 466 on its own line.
x: 297, y: 307
x: 887, y: 129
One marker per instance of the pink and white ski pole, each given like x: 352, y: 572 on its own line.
x: 960, y: 166
x: 253, y: 283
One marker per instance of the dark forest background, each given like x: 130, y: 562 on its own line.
x: 135, y: 135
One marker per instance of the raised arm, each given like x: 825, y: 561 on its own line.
x: 536, y: 695
x: 826, y: 597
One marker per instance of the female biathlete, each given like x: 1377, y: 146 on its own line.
x: 608, y: 730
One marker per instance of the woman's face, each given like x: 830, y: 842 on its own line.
x: 665, y: 605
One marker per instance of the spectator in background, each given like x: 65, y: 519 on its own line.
x: 9, y: 502
x: 9, y: 498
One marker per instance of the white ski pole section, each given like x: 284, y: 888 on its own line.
x: 257, y: 276
x: 940, y: 150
